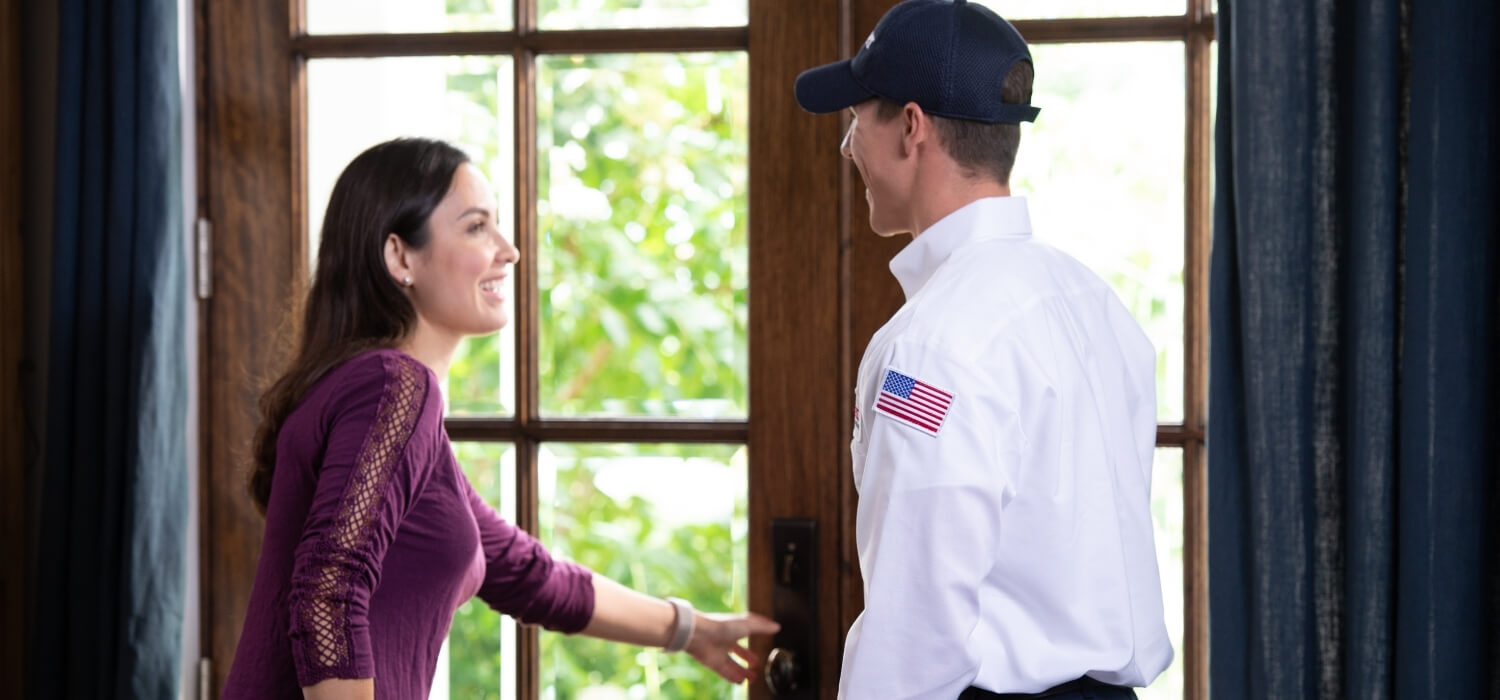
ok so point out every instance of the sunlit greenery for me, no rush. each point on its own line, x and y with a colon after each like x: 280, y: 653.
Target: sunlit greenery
x: 590, y: 14
x: 642, y: 262
x: 663, y: 519
x: 642, y: 255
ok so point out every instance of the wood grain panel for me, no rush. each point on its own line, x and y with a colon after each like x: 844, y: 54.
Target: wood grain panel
x: 247, y: 143
x: 528, y: 319
x: 1199, y: 219
x: 795, y: 439
x: 1171, y: 435
x: 12, y: 322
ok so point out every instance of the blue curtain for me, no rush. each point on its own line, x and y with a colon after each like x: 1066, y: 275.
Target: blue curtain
x: 1354, y: 301
x: 111, y: 545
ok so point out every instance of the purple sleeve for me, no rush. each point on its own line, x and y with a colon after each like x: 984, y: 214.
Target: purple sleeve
x: 521, y: 579
x: 364, y: 487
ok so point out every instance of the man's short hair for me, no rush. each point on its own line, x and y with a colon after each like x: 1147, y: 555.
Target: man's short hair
x: 987, y: 150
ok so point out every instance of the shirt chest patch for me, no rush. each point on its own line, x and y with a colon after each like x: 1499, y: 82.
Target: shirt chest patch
x: 913, y: 402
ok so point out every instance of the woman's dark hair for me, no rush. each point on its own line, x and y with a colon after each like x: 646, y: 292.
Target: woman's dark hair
x: 354, y: 304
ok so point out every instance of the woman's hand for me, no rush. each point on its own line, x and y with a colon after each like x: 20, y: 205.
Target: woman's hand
x: 624, y: 615
x: 716, y: 642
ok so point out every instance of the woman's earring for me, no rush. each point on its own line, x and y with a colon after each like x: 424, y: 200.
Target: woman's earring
x: 406, y: 280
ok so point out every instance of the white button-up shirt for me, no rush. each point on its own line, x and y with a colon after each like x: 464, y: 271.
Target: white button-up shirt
x: 1005, y: 421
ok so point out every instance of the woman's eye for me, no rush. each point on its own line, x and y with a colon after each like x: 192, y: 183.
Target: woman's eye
x: 476, y: 227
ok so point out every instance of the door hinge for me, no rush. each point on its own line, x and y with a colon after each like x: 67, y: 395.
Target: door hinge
x: 205, y: 679
x: 203, y: 237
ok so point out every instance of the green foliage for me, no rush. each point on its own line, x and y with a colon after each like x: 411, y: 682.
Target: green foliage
x: 642, y: 259
x: 636, y: 534
x: 474, y: 642
x: 474, y: 653
x: 642, y: 252
x: 633, y: 536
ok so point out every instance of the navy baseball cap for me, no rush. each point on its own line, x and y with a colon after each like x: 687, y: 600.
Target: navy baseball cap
x: 948, y: 56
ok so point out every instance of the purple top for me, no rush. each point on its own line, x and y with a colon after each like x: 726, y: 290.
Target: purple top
x: 374, y: 538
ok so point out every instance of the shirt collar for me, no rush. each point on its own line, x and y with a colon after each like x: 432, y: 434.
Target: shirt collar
x: 979, y: 220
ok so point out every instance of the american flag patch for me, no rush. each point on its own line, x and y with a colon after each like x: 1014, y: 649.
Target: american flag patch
x: 917, y: 404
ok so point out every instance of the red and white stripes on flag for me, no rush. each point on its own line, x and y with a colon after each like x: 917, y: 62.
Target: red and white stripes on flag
x: 913, y: 402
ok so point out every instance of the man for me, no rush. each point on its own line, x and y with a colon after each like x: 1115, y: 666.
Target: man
x: 1005, y: 416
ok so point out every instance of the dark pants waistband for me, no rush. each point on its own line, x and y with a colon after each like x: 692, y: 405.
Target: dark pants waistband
x: 1084, y: 687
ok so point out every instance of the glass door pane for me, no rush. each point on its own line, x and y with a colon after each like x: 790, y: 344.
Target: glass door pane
x: 1102, y: 170
x: 382, y: 16
x: 481, y: 651
x: 642, y: 260
x: 1167, y: 518
x: 1062, y: 9
x: 640, y: 14
x: 353, y: 104
x: 662, y: 519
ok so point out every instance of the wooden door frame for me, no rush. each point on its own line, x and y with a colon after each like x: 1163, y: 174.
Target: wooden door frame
x: 13, y: 550
x: 798, y: 282
x: 244, y: 163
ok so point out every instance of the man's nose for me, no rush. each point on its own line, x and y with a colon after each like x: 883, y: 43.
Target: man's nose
x: 844, y: 147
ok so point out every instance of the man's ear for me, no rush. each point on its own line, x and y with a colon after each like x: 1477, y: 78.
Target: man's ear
x: 397, y: 260
x: 916, y: 127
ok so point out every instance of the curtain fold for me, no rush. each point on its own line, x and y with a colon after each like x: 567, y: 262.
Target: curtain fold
x: 1353, y: 374
x: 113, y: 513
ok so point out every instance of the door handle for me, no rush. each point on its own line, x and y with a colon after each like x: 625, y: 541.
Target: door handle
x: 791, y: 671
x: 783, y: 675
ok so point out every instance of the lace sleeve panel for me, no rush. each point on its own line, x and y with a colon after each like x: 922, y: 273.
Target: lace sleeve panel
x: 521, y: 579
x: 362, y: 494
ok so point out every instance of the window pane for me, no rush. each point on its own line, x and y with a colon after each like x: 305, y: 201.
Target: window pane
x: 1167, y: 517
x: 481, y: 645
x: 353, y: 104
x: 380, y: 16
x: 1058, y: 9
x: 1102, y: 168
x: 662, y: 519
x: 642, y: 259
x: 639, y: 14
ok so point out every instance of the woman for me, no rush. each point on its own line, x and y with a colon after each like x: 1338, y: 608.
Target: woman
x: 373, y: 536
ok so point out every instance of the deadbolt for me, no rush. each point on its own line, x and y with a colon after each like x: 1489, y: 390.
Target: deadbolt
x: 791, y: 669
